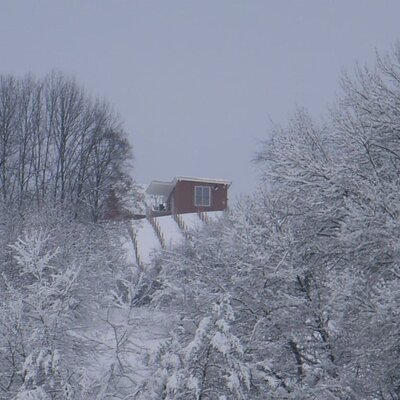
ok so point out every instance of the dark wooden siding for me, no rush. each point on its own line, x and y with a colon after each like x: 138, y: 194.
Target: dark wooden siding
x: 183, y: 197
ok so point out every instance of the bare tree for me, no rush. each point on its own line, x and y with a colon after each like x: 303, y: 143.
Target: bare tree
x: 59, y: 147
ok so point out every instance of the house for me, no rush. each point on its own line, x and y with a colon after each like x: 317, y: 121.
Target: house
x: 188, y: 195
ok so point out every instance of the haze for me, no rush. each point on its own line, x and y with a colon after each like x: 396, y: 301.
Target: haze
x: 197, y: 84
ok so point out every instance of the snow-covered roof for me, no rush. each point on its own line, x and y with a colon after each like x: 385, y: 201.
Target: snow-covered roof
x: 162, y: 188
x: 159, y: 188
x: 202, y: 180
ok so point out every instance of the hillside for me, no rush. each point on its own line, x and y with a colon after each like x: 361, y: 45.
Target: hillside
x: 146, y: 241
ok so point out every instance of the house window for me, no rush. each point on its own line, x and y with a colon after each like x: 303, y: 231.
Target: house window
x: 202, y: 196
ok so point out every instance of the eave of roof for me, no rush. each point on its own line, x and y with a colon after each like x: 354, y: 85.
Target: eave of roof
x: 203, y: 180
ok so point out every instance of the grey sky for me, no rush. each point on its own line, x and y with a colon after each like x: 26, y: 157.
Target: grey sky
x: 197, y: 82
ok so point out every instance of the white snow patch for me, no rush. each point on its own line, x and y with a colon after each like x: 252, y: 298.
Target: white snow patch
x: 170, y: 230
x: 196, y: 343
x: 191, y: 221
x: 215, y: 215
x: 140, y: 332
x: 173, y: 382
x: 146, y: 239
x: 127, y: 245
x: 233, y: 381
x: 34, y: 394
x: 220, y: 343
x: 193, y: 383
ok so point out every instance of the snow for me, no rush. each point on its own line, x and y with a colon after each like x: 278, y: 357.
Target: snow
x: 215, y: 215
x: 196, y: 343
x: 129, y: 336
x: 220, y: 343
x: 129, y: 249
x: 173, y: 382
x: 202, y: 180
x: 170, y: 230
x: 193, y: 383
x: 233, y: 381
x: 34, y: 394
x: 192, y: 221
x: 148, y: 242
x: 146, y: 239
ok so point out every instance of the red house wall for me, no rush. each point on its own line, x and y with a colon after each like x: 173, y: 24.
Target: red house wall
x: 182, y: 197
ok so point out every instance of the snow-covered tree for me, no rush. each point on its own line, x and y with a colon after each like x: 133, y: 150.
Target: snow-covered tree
x: 202, y: 363
x: 35, y: 319
x: 310, y: 262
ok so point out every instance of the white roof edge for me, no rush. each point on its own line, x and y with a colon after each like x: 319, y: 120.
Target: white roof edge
x: 204, y: 180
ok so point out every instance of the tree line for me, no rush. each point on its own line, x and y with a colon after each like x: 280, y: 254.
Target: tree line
x: 63, y: 156
x: 59, y: 147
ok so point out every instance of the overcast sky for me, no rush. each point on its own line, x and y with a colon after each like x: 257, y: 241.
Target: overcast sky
x: 197, y: 83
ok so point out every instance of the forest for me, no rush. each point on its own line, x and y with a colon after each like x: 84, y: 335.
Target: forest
x: 293, y: 294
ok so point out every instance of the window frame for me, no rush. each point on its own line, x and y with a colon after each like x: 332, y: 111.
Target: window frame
x: 203, y: 189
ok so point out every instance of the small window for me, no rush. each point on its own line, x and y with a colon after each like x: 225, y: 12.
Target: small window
x: 202, y: 196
